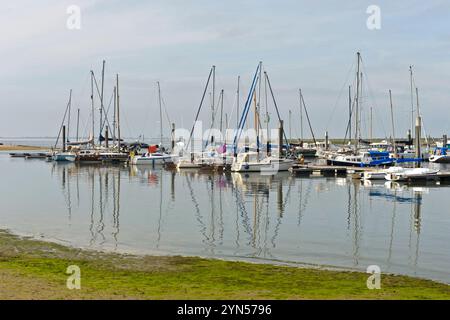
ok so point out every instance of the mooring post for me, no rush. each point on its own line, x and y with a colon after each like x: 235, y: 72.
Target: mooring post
x: 173, y: 136
x: 417, y: 137
x: 280, y: 139
x: 326, y: 140
x: 106, y: 136
x: 409, y: 137
x: 64, y: 138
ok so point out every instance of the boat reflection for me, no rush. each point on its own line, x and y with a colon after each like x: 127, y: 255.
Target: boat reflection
x: 272, y: 217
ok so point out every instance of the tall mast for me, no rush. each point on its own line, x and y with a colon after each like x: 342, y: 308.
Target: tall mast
x: 350, y: 112
x: 78, y: 121
x: 290, y: 131
x: 267, y: 116
x: 101, y: 98
x: 92, y: 106
x: 258, y: 107
x: 68, y: 119
x: 221, y: 110
x: 393, y: 128
x: 412, y: 97
x: 357, y: 102
x: 114, y: 115
x: 237, y: 102
x: 118, y: 109
x: 301, y: 116
x: 213, y: 95
x: 160, y: 116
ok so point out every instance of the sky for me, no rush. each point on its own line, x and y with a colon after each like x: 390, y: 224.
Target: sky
x: 310, y: 45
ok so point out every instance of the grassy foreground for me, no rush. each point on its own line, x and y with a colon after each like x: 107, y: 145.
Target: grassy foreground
x: 31, y: 269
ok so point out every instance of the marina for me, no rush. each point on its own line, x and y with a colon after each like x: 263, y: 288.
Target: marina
x: 321, y: 219
x: 233, y: 151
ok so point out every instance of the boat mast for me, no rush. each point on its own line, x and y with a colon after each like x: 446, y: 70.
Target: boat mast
x: 393, y: 128
x: 160, y: 116
x: 290, y: 131
x: 78, y: 121
x: 412, y: 97
x: 221, y: 109
x: 258, y: 107
x: 68, y: 118
x: 350, y: 113
x: 301, y: 117
x: 114, y: 116
x: 357, y: 102
x: 267, y: 117
x: 92, y: 106
x: 213, y: 100
x: 118, y: 110
x: 101, y: 100
x: 237, y: 101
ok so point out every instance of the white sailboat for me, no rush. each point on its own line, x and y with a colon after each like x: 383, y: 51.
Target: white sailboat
x: 154, y: 157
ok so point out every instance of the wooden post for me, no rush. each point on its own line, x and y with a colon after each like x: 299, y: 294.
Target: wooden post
x: 106, y: 136
x: 64, y: 138
x: 280, y: 139
x: 326, y: 140
x: 444, y: 141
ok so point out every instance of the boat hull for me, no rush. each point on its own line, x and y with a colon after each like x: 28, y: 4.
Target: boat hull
x: 440, y: 159
x: 64, y: 157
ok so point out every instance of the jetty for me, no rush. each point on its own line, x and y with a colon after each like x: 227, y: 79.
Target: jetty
x: 327, y: 170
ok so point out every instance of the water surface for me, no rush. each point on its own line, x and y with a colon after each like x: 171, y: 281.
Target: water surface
x: 327, y: 221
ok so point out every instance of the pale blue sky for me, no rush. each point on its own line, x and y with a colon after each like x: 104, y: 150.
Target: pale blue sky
x: 307, y: 44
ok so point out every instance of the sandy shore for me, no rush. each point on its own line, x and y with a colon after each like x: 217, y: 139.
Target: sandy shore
x: 7, y: 147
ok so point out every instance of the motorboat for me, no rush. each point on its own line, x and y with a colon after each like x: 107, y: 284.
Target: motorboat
x: 413, y: 173
x: 156, y: 158
x: 440, y: 155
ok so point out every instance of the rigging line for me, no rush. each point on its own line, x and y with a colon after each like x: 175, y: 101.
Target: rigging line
x: 340, y: 95
x: 64, y: 118
x: 212, y: 123
x: 165, y: 111
x: 372, y: 96
x: 199, y: 107
x: 102, y: 106
x: 307, y: 117
x: 107, y: 111
x: 275, y: 104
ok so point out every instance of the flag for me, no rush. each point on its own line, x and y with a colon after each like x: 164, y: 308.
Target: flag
x: 222, y: 149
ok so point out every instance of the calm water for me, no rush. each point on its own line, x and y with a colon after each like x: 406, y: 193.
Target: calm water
x: 327, y: 221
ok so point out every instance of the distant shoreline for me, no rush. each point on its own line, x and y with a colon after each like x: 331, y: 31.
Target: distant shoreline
x: 9, y: 147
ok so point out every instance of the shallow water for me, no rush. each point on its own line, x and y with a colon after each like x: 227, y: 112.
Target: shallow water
x: 327, y: 221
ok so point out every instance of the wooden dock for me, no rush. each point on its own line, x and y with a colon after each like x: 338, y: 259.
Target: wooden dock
x: 327, y: 171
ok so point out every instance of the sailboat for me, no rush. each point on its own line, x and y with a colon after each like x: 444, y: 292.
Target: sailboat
x: 153, y: 156
x: 251, y: 161
x: 64, y: 155
x: 99, y: 153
